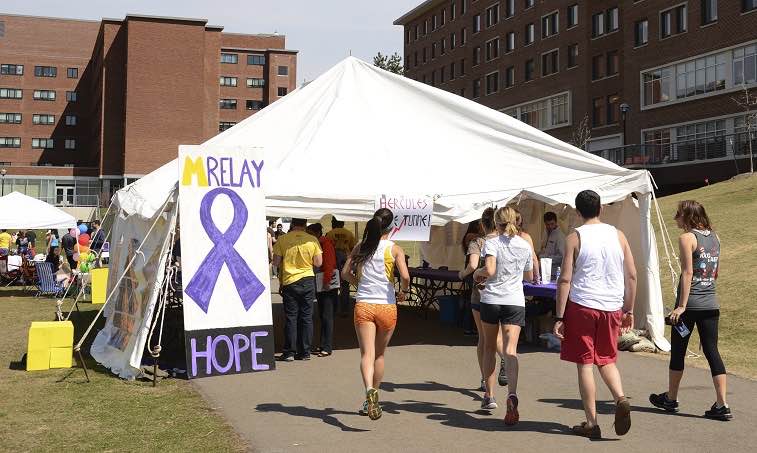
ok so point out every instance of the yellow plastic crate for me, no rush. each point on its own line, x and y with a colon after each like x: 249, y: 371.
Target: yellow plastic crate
x: 50, y: 345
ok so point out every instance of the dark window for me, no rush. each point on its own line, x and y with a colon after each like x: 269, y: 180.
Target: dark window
x: 598, y: 112
x: 453, y: 11
x: 476, y: 55
x: 442, y: 74
x: 492, y: 15
x: 283, y: 70
x: 433, y: 50
x: 597, y: 67
x: 70, y: 96
x: 463, y: 6
x: 72, y: 73
x: 492, y: 49
x: 476, y: 23
x: 463, y: 36
x: 528, y: 3
x: 529, y: 70
x: 613, y: 108
x: 476, y: 88
x: 462, y: 92
x: 509, y: 76
x: 229, y: 58
x: 258, y: 60
x: 452, y: 40
x: 550, y: 25
x: 613, y: 19
x: 572, y: 15
x: 530, y: 34
x: 748, y: 5
x: 641, y: 32
x: 444, y: 45
x: 597, y: 25
x: 709, y: 11
x: 282, y: 91
x: 70, y: 143
x: 228, y: 104
x: 681, y: 19
x: 549, y: 63
x: 666, y: 19
x: 673, y: 21
x: 425, y: 55
x: 11, y: 69
x: 254, y: 105
x: 415, y: 59
x: 613, y: 61
x: 510, y: 42
x: 462, y: 67
x: 71, y: 120
x: 45, y: 71
x: 223, y: 125
x: 452, y: 71
x: 492, y: 83
x: 572, y: 55
x: 509, y: 8
x: 255, y: 83
x: 433, y: 23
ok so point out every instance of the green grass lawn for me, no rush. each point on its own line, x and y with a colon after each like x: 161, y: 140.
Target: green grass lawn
x: 57, y: 410
x: 732, y: 207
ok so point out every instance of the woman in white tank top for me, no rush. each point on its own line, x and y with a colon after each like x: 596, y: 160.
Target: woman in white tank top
x: 371, y: 267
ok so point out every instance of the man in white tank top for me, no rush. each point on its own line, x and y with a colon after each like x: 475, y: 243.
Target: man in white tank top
x: 595, y: 299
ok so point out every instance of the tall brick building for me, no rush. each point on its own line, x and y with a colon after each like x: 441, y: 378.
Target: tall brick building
x: 87, y: 106
x: 653, y: 79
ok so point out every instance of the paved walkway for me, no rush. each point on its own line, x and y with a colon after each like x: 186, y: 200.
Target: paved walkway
x: 430, y: 403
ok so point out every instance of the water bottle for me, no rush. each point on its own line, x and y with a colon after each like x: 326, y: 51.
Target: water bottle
x: 557, y: 274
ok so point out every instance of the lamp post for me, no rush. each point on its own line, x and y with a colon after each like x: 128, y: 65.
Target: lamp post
x: 3, y: 172
x: 624, y: 109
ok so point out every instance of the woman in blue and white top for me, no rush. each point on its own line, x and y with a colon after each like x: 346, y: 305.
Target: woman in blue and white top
x: 508, y: 263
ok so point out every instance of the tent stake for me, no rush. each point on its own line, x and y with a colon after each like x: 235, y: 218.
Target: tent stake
x: 155, y: 372
x: 83, y: 365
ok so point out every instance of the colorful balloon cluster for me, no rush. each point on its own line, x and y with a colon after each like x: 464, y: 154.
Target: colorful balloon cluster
x: 84, y: 256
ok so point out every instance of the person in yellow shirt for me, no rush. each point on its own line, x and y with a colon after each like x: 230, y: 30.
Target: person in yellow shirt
x: 344, y: 241
x: 5, y: 243
x: 296, y: 253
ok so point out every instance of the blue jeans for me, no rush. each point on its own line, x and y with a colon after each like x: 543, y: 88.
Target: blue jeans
x: 298, y: 300
x: 327, y: 301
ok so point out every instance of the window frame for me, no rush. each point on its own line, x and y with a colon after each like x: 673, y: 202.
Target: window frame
x: 279, y: 91
x: 571, y: 57
x: 528, y: 73
x: 495, y: 88
x: 251, y: 58
x: 571, y: 14
x: 44, y: 95
x: 636, y: 36
x: 233, y: 81
x: 530, y: 34
x: 229, y: 58
x: 72, y: 73
x: 46, y: 71
x: 7, y: 67
x: 227, y: 104
x: 546, y: 26
x: 554, y: 63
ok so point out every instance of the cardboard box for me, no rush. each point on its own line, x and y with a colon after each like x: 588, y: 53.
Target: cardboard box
x: 99, y: 284
x: 50, y: 345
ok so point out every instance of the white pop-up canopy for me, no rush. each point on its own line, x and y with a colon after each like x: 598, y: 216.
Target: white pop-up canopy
x: 356, y: 132
x: 21, y: 211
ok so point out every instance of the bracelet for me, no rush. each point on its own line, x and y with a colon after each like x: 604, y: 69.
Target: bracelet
x: 558, y: 318
x: 628, y: 312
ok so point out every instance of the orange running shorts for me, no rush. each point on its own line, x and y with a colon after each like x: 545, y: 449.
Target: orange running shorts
x: 383, y: 315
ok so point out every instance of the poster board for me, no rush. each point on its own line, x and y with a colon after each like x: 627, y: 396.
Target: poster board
x: 412, y: 216
x: 224, y: 258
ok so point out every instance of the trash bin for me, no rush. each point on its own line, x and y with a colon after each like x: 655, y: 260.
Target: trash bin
x: 449, y: 309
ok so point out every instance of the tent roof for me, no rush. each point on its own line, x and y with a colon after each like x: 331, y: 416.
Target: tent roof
x: 358, y: 131
x: 20, y: 211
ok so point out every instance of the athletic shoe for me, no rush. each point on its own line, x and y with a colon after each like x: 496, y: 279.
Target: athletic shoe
x: 285, y: 358
x: 512, y: 416
x: 374, y: 409
x: 585, y: 430
x: 363, y: 409
x: 483, y: 385
x: 488, y: 403
x: 661, y: 401
x: 302, y: 357
x: 622, y: 416
x: 502, y: 378
x: 719, y: 413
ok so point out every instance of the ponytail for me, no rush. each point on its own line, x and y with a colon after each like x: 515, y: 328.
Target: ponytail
x: 506, y: 220
x: 380, y: 224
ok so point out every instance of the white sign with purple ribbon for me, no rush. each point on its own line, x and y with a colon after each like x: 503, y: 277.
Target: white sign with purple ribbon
x: 224, y: 261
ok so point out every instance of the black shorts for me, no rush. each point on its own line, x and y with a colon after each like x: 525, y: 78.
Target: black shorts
x: 503, y: 314
x: 476, y: 307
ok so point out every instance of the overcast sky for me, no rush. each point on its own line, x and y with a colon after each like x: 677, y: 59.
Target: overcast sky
x: 324, y: 31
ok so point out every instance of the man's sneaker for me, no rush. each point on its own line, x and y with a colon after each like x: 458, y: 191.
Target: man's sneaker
x: 302, y: 357
x: 512, y: 416
x: 502, y: 378
x: 661, y: 401
x: 363, y: 409
x: 285, y: 358
x: 488, y: 403
x: 622, y: 416
x: 374, y: 409
x: 719, y: 413
x: 592, y: 432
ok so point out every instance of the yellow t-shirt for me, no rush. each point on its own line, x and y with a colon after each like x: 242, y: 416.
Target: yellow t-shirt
x: 5, y: 241
x: 343, y: 239
x: 297, y: 249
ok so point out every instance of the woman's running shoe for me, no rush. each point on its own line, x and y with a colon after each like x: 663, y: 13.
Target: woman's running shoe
x: 512, y: 415
x: 374, y: 409
x: 502, y: 378
x: 488, y: 403
x: 662, y: 401
x: 719, y: 413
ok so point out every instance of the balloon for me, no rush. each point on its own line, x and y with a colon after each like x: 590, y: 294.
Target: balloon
x: 83, y: 249
x: 76, y: 257
x: 83, y: 257
x: 73, y: 232
x: 84, y: 268
x: 84, y: 239
x: 83, y: 228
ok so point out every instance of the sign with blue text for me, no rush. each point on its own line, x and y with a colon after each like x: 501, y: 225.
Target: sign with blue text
x: 228, y: 325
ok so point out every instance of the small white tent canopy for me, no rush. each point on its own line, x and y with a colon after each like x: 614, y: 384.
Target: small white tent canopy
x: 21, y: 211
x: 357, y: 132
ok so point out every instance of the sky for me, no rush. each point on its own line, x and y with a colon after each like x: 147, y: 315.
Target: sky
x: 324, y: 31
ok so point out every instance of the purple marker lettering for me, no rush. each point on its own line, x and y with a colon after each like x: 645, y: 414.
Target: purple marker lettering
x: 212, y: 170
x: 258, y: 169
x: 239, y: 349
x: 208, y: 354
x: 246, y: 171
x: 225, y: 339
x: 225, y: 169
x: 256, y: 350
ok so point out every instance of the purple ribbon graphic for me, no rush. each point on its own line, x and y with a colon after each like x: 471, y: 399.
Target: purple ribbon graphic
x: 200, y: 288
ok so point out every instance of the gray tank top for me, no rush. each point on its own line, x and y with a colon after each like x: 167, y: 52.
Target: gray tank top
x: 705, y: 262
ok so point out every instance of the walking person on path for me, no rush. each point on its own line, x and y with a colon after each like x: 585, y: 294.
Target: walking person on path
x: 344, y: 241
x: 696, y: 305
x: 595, y: 298
x: 507, y: 264
x: 327, y: 296
x: 371, y: 267
x: 296, y: 253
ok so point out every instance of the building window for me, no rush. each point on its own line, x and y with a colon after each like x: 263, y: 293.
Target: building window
x: 72, y: 73
x: 70, y: 143
x: 434, y: 24
x: 492, y: 83
x: 452, y: 40
x: 492, y: 15
x: 425, y: 56
x: 509, y: 76
x: 10, y: 93
x: 442, y: 74
x: 425, y: 27
x: 229, y: 58
x: 452, y: 71
x: 476, y: 23
x: 71, y: 120
x: 463, y: 6
x: 546, y: 113
x: 10, y: 142
x: 613, y: 19
x: 444, y: 17
x: 259, y: 60
x: 227, y: 104
x: 11, y: 69
x: 45, y: 71
x: 530, y: 34
x: 700, y: 76
x: 42, y: 143
x: 415, y: 59
x: 453, y: 10
x: 529, y: 70
x: 43, y: 119
x: 70, y: 96
x: 509, y: 8
x: 748, y: 5
x: 476, y: 88
x: 283, y: 70
x: 462, y: 67
x: 510, y: 42
x: 550, y: 25
x: 673, y: 21
x: 476, y: 55
x: 613, y: 108
x: 433, y: 50
x: 528, y: 4
x: 572, y: 55
x: 44, y: 95
x: 572, y: 15
x: 492, y: 49
x: 255, y: 83
x: 709, y: 11
x: 223, y: 125
x: 658, y: 86
x: 641, y: 32
x: 613, y: 62
x: 228, y: 81
x: 550, y: 63
x: 10, y: 118
x: 745, y: 65
x: 597, y: 25
x: 598, y: 112
x: 251, y: 104
x: 282, y: 91
x: 463, y: 36
x: 597, y: 67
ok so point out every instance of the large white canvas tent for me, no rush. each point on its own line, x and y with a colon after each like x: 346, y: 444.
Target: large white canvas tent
x: 357, y: 132
x: 21, y: 211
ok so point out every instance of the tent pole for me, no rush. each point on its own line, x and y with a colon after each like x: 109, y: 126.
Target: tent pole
x: 83, y: 365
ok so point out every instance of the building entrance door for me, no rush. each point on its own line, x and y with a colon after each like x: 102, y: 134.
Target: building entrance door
x: 64, y: 195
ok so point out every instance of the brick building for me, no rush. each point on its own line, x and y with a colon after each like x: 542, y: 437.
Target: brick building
x: 87, y: 106
x: 652, y: 79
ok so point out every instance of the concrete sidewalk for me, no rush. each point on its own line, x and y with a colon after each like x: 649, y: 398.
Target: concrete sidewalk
x: 430, y: 402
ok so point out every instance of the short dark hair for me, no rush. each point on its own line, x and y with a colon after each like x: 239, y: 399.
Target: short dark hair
x: 336, y: 223
x: 550, y: 216
x: 299, y: 222
x: 316, y: 229
x: 96, y: 222
x: 588, y: 204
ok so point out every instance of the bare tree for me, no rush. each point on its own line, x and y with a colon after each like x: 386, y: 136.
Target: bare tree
x: 581, y: 133
x: 748, y: 101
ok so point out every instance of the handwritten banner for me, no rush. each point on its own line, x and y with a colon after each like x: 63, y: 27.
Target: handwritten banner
x: 224, y: 260
x: 412, y: 216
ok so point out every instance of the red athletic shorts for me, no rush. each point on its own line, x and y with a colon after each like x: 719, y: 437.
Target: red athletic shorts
x: 591, y: 336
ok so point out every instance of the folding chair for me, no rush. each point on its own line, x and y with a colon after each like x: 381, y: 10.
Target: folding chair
x: 46, y: 284
x: 9, y: 273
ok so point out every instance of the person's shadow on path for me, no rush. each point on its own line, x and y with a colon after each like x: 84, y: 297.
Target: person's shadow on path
x: 328, y: 415
x: 429, y: 386
x: 608, y: 407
